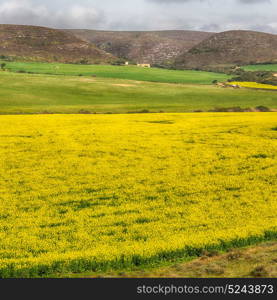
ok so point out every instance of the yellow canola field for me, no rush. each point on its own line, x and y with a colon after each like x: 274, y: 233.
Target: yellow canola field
x: 254, y: 85
x: 92, y: 192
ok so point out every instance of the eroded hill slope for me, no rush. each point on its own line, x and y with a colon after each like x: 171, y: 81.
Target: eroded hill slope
x: 154, y: 47
x: 35, y: 43
x: 236, y: 47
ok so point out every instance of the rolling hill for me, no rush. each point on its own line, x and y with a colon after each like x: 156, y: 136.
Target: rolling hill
x: 181, y: 49
x: 33, y: 43
x: 238, y: 47
x: 117, y: 72
x: 43, y: 93
x: 154, y: 47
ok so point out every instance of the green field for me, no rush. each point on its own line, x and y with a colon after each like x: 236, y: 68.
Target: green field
x: 267, y: 67
x: 32, y: 93
x: 120, y: 72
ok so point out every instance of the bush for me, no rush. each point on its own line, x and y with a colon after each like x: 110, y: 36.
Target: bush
x: 262, y: 108
x: 259, y: 272
x: 228, y: 109
x: 46, y: 112
x: 118, y: 62
x: 84, y: 112
x: 84, y: 61
x: 6, y: 58
x: 259, y: 77
x: 144, y: 111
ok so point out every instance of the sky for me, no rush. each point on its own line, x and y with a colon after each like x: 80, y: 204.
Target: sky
x: 204, y: 15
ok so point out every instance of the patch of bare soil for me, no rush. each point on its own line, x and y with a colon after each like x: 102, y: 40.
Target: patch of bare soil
x: 252, y: 262
x: 123, y: 85
x: 87, y: 80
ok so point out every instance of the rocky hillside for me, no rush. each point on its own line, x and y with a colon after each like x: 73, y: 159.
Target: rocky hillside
x: 154, y: 47
x: 34, y: 43
x: 230, y: 48
x: 180, y: 49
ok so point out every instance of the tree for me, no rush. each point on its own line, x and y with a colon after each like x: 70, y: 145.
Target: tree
x: 3, y: 65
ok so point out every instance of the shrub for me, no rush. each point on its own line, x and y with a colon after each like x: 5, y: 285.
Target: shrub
x: 3, y: 65
x: 83, y: 61
x: 259, y: 272
x: 118, y: 62
x: 264, y: 77
x: 84, y: 112
x: 262, y: 108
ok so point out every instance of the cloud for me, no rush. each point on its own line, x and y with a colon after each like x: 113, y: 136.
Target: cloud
x: 27, y: 12
x: 78, y: 16
x: 209, y: 1
x: 170, y: 1
x: 21, y: 11
x: 173, y: 1
x: 205, y: 15
x: 254, y: 1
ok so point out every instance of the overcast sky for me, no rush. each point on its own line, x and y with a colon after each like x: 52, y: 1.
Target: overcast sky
x: 209, y: 15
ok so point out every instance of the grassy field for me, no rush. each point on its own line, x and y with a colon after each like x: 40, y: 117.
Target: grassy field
x: 267, y: 67
x: 105, y: 192
x: 27, y: 93
x: 257, y: 261
x: 119, y: 72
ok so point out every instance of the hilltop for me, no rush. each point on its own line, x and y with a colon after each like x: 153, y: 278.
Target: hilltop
x: 33, y: 43
x: 154, y: 47
x: 237, y: 47
x: 178, y: 48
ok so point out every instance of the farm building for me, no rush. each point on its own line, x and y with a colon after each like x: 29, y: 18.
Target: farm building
x: 144, y: 65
